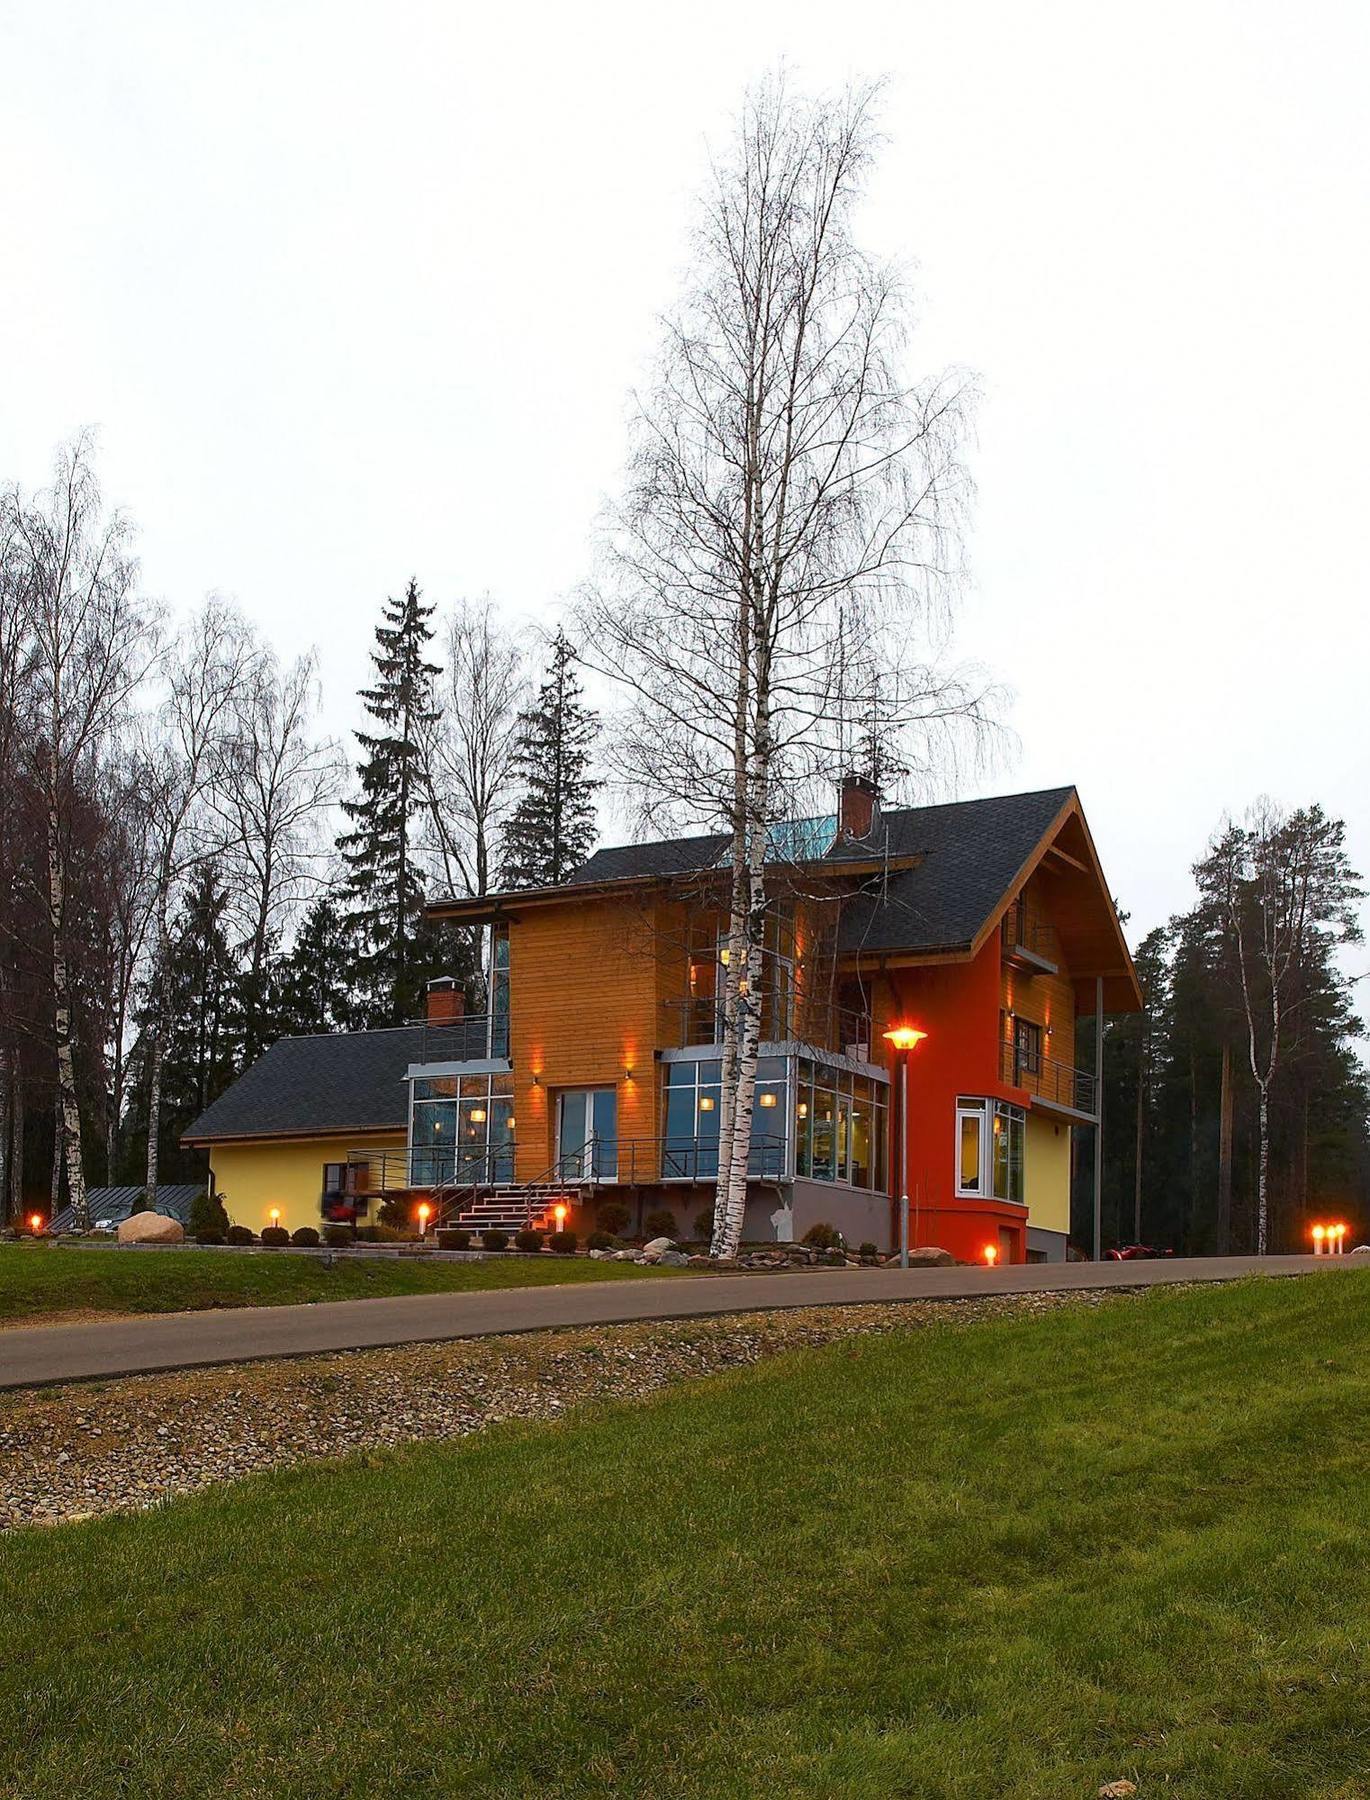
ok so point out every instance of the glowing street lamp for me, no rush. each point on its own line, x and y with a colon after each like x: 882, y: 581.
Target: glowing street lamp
x: 905, y: 1039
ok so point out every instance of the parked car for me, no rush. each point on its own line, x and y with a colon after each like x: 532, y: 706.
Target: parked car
x: 1134, y: 1253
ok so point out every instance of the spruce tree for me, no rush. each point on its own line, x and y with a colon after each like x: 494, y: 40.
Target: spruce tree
x: 384, y: 891
x: 552, y: 828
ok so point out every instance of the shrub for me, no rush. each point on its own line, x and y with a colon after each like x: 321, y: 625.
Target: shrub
x: 338, y: 1237
x: 394, y: 1213
x: 704, y: 1225
x: 207, y: 1213
x: 600, y: 1240
x: 612, y: 1216
x: 274, y: 1237
x: 381, y: 1234
x: 305, y: 1236
x: 452, y: 1237
x: 660, y: 1222
x: 240, y: 1234
x: 822, y: 1236
x: 494, y: 1240
x: 563, y: 1242
x: 527, y: 1240
x: 201, y: 1237
x: 869, y: 1250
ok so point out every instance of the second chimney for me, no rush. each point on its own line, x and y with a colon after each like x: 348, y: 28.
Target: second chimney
x: 857, y: 808
x: 446, y: 1001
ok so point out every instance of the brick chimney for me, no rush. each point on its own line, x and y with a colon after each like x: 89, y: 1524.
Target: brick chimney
x: 858, y: 807
x: 446, y: 1001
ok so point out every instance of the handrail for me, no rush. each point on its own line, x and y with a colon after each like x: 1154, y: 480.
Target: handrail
x: 1047, y: 1078
x: 826, y: 1027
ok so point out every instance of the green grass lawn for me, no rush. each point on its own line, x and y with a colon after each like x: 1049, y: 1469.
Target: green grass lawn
x: 40, y: 1279
x: 1019, y: 1559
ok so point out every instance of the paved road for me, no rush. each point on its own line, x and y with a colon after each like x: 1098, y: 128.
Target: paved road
x: 35, y: 1355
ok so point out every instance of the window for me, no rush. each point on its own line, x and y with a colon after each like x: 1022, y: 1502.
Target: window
x: 499, y: 991
x: 989, y: 1149
x: 693, y: 1102
x: 839, y: 1125
x: 1027, y: 1048
x: 461, y: 1129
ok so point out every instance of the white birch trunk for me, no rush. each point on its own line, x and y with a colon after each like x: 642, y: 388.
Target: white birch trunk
x: 66, y: 1061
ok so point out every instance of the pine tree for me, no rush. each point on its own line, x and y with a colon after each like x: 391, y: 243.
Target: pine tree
x: 309, y: 987
x: 384, y: 891
x: 552, y: 828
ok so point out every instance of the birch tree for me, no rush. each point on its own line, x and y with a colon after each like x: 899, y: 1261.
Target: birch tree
x: 92, y: 641
x: 213, y: 660
x: 278, y: 780
x: 791, y: 496
x: 1283, y: 891
x: 472, y: 750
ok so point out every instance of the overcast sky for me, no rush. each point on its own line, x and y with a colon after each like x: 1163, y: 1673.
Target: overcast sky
x: 352, y: 291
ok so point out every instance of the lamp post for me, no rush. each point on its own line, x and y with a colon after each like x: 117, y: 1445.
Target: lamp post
x: 905, y: 1039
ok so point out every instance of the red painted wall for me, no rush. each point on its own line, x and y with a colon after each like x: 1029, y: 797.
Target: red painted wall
x: 957, y: 1004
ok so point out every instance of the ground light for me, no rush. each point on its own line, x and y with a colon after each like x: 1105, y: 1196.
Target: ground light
x: 275, y: 1216
x: 559, y: 1214
x: 991, y: 1255
x: 425, y: 1211
x: 35, y: 1223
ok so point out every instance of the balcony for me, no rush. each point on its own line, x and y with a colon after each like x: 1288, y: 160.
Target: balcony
x: 1029, y: 943
x: 1051, y: 1083
x: 696, y: 1024
x: 478, y: 1037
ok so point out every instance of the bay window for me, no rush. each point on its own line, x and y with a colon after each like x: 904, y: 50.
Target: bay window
x: 989, y: 1149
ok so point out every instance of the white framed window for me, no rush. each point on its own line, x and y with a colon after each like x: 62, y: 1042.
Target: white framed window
x: 990, y: 1138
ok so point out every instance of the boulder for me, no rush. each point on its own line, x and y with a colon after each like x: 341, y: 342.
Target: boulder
x: 657, y: 1245
x: 673, y: 1259
x: 928, y: 1256
x: 151, y: 1228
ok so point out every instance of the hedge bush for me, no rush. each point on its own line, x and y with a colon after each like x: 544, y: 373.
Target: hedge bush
x: 240, y: 1234
x: 338, y: 1236
x: 274, y: 1237
x: 612, y: 1216
x: 869, y: 1250
x: 305, y: 1236
x: 210, y: 1237
x: 563, y: 1242
x: 207, y: 1214
x: 528, y: 1240
x: 600, y: 1240
x: 704, y: 1225
x: 494, y: 1240
x: 659, y: 1223
x: 452, y: 1237
x: 822, y: 1236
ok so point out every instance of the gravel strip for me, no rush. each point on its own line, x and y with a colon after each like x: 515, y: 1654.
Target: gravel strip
x: 74, y: 1453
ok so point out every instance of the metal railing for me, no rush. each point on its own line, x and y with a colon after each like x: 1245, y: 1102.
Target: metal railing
x: 1023, y: 930
x: 472, y: 1038
x: 1047, y: 1078
x: 696, y: 1023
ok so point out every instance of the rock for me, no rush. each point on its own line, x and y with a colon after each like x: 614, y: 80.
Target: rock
x: 928, y: 1256
x: 601, y: 1255
x: 624, y: 1255
x: 673, y: 1259
x: 151, y: 1228
x: 656, y: 1247
x: 700, y: 1261
x: 1361, y: 1250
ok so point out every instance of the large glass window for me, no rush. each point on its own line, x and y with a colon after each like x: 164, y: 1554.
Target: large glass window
x: 462, y: 1129
x: 692, y: 1105
x: 839, y: 1125
x: 499, y: 990
x: 989, y: 1148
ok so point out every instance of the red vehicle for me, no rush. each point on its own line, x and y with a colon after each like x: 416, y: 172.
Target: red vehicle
x: 1134, y: 1253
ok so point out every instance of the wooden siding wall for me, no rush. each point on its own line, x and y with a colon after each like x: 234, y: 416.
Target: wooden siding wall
x: 584, y: 1011
x: 1045, y: 1000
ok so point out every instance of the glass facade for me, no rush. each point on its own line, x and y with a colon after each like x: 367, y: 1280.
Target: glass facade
x: 499, y: 991
x: 839, y: 1126
x: 693, y: 1097
x: 462, y: 1129
x: 838, y: 1121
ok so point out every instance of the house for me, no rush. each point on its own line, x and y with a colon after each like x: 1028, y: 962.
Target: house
x: 594, y: 1072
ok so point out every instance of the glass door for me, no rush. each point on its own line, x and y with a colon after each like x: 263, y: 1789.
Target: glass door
x: 587, y: 1136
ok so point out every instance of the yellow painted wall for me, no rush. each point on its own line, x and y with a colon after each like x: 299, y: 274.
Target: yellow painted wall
x: 1046, y: 1173
x: 254, y: 1177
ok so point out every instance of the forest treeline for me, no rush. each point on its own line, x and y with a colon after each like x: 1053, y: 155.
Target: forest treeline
x: 188, y: 870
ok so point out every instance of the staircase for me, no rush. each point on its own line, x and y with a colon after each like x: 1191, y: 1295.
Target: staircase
x: 530, y: 1206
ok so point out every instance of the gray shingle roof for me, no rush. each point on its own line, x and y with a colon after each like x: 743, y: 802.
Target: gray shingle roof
x: 969, y: 851
x: 349, y: 1081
